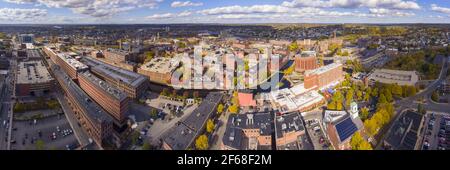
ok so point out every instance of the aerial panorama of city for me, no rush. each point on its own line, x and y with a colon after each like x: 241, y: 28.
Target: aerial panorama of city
x: 224, y: 75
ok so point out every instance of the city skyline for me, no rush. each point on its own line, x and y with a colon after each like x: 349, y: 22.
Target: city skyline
x: 233, y: 11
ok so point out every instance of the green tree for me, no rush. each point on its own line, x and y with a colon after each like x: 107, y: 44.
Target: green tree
x: 210, y: 126
x: 397, y: 90
x: 364, y: 113
x: 135, y: 137
x: 40, y: 145
x: 293, y: 47
x: 349, y: 97
x: 146, y: 146
x: 382, y: 99
x: 421, y: 109
x: 201, y: 143
x: 234, y: 109
x: 359, y: 143
x: 220, y: 108
x: 367, y: 97
x: 435, y: 96
x: 359, y: 95
x: 331, y: 106
x: 412, y: 91
x: 165, y: 92
x: 388, y: 95
x: 375, y: 92
x: 148, y: 56
x: 153, y: 113
x: 371, y: 127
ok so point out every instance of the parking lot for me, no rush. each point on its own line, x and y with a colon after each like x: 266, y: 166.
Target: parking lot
x: 54, y: 132
x: 437, y: 133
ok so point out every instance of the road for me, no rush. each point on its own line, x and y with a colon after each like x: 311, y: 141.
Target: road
x: 410, y: 102
x: 7, y: 103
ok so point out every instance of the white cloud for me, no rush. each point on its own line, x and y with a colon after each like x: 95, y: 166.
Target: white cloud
x: 245, y: 9
x: 390, y: 4
x: 16, y: 14
x: 20, y: 1
x: 177, y: 4
x: 437, y: 8
x: 95, y: 8
x: 169, y: 15
x: 383, y: 12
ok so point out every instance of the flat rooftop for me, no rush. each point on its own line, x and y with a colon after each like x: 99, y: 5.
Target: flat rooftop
x: 288, y: 123
x: 33, y: 72
x: 117, y: 51
x: 324, y: 69
x: 394, y: 76
x: 261, y: 121
x: 105, y: 86
x: 93, y: 111
x: 180, y: 137
x: 33, y: 54
x: 116, y: 73
x: 161, y: 65
x: 75, y: 64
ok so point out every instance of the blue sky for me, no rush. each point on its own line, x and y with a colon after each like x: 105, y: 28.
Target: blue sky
x: 224, y: 11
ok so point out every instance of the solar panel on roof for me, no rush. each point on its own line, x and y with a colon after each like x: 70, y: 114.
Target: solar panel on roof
x: 346, y: 128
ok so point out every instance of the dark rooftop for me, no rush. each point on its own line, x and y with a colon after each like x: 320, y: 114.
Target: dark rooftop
x: 234, y: 136
x: 288, y: 123
x: 403, y: 135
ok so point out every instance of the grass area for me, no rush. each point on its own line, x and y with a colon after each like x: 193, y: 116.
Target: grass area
x: 40, y: 104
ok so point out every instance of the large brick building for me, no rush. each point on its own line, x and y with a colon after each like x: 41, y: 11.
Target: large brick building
x: 116, y: 55
x: 305, y: 61
x: 324, y: 77
x: 111, y: 99
x: 94, y: 120
x: 33, y: 79
x: 133, y: 84
x: 70, y: 65
x: 159, y: 70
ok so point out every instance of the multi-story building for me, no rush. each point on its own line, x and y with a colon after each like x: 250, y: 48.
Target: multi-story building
x: 324, y: 77
x: 133, y: 84
x: 248, y: 132
x: 26, y: 38
x: 111, y: 99
x: 289, y: 130
x: 406, y: 132
x: 116, y: 55
x: 96, y: 122
x: 33, y: 79
x: 159, y: 70
x: 340, y: 126
x: 70, y: 65
x: 305, y: 61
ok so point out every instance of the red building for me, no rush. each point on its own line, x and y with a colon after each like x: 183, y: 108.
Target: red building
x: 304, y: 63
x: 324, y: 76
x: 114, y: 101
